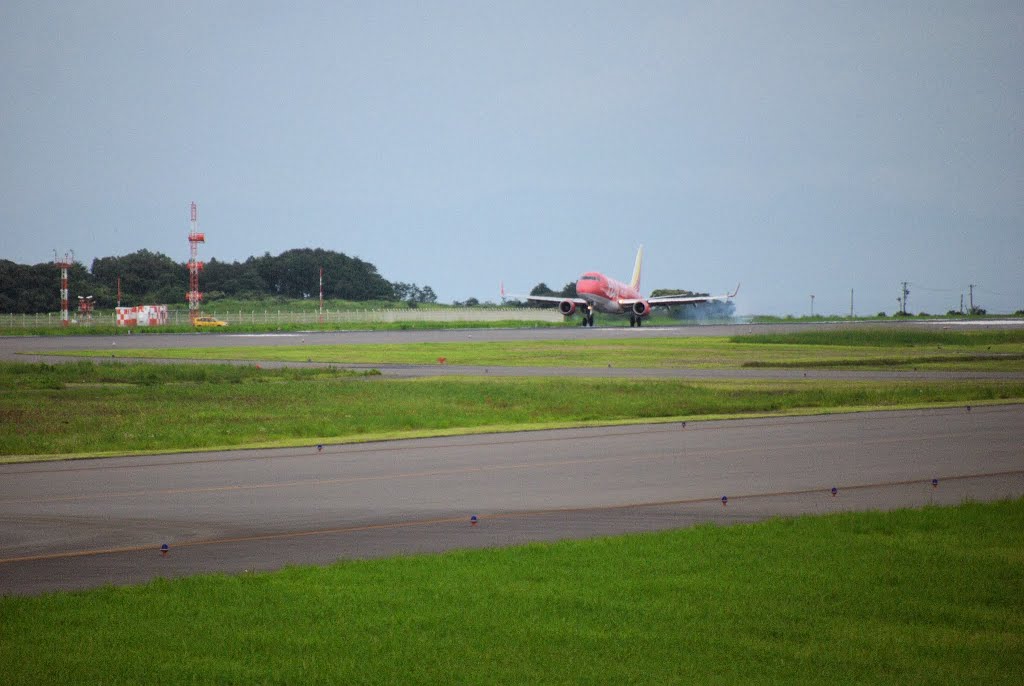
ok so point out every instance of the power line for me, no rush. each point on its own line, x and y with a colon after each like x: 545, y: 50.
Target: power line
x: 933, y: 290
x: 988, y: 292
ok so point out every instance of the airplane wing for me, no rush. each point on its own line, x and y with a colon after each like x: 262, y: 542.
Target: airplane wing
x: 547, y: 299
x: 540, y: 298
x: 682, y: 300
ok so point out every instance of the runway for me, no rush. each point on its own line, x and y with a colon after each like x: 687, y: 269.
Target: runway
x: 81, y: 524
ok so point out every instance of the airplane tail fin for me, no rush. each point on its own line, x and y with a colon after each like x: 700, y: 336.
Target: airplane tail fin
x: 635, y: 281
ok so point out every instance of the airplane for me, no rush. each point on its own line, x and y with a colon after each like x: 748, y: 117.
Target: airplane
x: 595, y: 291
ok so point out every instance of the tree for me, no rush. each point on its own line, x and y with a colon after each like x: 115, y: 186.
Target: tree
x: 403, y: 291
x: 542, y: 289
x: 150, y: 278
x: 427, y: 295
x: 146, y: 278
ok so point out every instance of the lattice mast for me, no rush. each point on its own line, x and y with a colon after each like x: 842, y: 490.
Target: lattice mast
x: 64, y: 263
x: 194, y: 297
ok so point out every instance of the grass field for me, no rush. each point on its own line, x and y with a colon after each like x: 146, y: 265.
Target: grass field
x: 913, y: 596
x: 861, y: 349
x: 888, y: 337
x: 111, y: 330
x: 87, y: 408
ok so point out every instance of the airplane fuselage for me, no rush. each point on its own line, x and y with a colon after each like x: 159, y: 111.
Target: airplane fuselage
x: 604, y: 293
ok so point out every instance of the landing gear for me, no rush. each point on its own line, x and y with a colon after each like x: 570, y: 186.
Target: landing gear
x: 632, y: 320
x: 588, y: 319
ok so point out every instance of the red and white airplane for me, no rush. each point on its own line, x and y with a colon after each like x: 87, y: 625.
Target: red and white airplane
x: 595, y: 291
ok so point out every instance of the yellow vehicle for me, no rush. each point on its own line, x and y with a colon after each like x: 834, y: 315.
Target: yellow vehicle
x: 208, y: 321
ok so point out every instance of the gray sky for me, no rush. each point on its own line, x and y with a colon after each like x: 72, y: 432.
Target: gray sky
x: 797, y: 147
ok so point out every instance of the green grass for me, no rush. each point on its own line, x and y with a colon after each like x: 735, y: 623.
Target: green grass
x: 895, y: 317
x: 913, y: 596
x: 88, y: 409
x: 989, y: 351
x: 885, y: 337
x: 111, y: 330
x: 16, y: 376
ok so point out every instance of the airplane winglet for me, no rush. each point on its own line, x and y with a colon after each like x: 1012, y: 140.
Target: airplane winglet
x: 733, y: 294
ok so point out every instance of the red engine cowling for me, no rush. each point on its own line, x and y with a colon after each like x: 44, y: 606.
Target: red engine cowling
x: 641, y: 309
x: 567, y: 307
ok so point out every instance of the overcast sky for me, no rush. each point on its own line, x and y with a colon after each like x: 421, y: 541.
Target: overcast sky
x: 797, y: 147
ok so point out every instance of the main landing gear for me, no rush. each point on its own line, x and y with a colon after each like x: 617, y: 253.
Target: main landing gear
x: 588, y: 318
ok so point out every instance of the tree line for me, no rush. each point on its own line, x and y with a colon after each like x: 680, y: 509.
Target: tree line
x: 154, y: 278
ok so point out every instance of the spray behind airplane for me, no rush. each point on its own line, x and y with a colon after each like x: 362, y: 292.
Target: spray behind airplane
x: 597, y: 292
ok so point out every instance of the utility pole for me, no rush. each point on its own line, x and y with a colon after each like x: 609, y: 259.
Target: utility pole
x: 971, y: 288
x: 812, y: 304
x: 961, y: 303
x: 903, y: 300
x: 851, y: 303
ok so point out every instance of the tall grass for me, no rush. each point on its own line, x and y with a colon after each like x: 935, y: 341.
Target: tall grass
x: 925, y: 596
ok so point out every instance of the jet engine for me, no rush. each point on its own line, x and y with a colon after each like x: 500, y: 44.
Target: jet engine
x: 641, y: 308
x: 567, y: 307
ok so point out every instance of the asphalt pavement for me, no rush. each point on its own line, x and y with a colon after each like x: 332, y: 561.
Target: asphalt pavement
x: 80, y: 524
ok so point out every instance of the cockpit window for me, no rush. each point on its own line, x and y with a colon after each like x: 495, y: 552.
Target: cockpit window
x: 587, y: 277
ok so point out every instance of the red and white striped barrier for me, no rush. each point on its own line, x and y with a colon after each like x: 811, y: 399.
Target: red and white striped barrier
x: 142, y: 315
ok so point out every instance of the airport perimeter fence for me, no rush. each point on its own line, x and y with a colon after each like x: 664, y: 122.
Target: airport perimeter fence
x: 180, y: 317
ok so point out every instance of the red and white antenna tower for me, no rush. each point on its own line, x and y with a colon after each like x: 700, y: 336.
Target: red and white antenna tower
x: 64, y: 263
x: 194, y: 297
